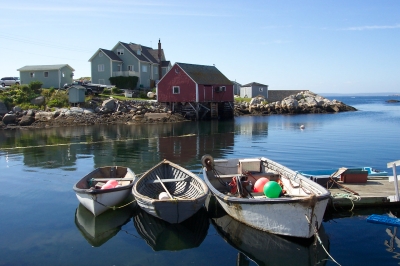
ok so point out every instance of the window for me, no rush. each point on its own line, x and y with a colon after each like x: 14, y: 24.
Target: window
x: 100, y: 68
x: 120, y: 51
x: 144, y: 68
x: 101, y: 54
x: 63, y: 74
x: 130, y: 68
x: 46, y: 74
x: 175, y: 90
x: 156, y: 70
x: 32, y: 74
x: 119, y: 67
x: 260, y: 89
x: 139, y: 52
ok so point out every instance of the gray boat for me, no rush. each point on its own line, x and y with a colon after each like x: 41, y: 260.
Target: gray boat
x: 170, y: 192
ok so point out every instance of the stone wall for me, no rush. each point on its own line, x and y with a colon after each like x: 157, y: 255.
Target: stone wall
x: 279, y: 95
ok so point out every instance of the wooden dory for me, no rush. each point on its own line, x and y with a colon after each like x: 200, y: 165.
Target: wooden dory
x: 186, y: 192
x: 96, y: 200
x: 285, y: 215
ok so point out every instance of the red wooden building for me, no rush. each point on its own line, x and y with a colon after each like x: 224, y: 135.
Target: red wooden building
x: 197, y: 91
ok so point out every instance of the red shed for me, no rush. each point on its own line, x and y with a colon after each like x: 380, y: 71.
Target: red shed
x: 197, y: 90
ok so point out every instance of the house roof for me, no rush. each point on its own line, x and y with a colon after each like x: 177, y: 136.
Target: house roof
x: 44, y: 67
x: 111, y: 55
x: 165, y: 63
x: 204, y: 74
x: 254, y: 84
x: 132, y: 48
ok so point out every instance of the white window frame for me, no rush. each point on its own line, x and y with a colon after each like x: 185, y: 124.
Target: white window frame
x: 156, y: 70
x: 46, y: 74
x: 119, y: 67
x: 144, y: 68
x: 100, y: 68
x: 32, y: 74
x: 120, y: 51
x: 130, y: 68
x: 176, y: 90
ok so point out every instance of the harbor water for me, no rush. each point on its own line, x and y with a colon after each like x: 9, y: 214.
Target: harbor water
x: 42, y: 222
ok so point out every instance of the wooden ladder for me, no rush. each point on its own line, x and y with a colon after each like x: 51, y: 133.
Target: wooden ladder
x: 214, y: 110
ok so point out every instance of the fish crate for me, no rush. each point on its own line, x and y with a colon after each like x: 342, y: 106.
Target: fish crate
x: 354, y: 176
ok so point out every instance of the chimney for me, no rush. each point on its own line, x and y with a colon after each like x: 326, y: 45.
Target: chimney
x: 159, y: 60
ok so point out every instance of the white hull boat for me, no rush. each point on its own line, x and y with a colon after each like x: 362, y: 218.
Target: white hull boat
x: 297, y: 212
x: 97, y: 200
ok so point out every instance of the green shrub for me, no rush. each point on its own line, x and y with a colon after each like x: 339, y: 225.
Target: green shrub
x: 36, y: 86
x: 143, y: 95
x: 115, y: 90
x: 106, y: 91
x: 124, y: 82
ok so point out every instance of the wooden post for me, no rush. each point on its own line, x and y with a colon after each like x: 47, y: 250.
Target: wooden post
x: 396, y: 187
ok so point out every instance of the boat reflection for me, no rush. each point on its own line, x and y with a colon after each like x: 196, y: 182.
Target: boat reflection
x: 268, y: 249
x: 161, y: 235
x: 97, y: 230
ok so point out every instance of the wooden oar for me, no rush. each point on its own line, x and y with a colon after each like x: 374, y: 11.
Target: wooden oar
x: 159, y: 179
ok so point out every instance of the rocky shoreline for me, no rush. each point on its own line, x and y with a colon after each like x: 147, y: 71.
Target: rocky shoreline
x: 112, y: 111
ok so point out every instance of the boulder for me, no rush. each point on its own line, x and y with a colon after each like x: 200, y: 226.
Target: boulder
x: 9, y: 119
x: 3, y: 108
x: 26, y: 120
x: 38, y: 101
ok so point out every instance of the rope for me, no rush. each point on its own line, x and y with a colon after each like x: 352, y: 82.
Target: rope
x: 319, y: 240
x: 351, y: 197
x: 113, y: 207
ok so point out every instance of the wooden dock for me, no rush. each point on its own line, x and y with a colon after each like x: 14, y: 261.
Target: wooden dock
x: 377, y: 191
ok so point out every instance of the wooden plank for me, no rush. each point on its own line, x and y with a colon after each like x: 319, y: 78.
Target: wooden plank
x: 117, y: 179
x: 396, y: 163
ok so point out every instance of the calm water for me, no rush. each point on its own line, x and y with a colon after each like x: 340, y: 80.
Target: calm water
x: 42, y: 222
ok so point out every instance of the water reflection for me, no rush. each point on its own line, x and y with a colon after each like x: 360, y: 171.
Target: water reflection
x: 160, y: 235
x: 97, y: 230
x: 133, y: 145
x: 269, y: 249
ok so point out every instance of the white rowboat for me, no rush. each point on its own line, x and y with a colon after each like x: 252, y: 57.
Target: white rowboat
x: 96, y: 200
x: 295, y: 213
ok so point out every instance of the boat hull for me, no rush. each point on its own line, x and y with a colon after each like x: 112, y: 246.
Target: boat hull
x: 288, y: 218
x: 295, y: 214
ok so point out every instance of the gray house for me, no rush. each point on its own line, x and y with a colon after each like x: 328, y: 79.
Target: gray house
x: 50, y: 75
x: 236, y: 87
x: 129, y: 59
x: 254, y: 89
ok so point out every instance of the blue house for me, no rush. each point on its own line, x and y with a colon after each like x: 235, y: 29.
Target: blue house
x: 129, y: 59
x: 50, y: 75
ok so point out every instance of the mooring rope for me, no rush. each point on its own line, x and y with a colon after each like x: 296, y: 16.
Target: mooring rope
x: 319, y: 240
x: 114, y: 207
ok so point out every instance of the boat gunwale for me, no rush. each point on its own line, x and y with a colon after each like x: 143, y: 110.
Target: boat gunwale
x: 103, y: 191
x: 325, y: 193
x: 144, y: 177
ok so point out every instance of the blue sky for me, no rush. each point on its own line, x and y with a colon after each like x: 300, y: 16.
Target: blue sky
x: 337, y: 46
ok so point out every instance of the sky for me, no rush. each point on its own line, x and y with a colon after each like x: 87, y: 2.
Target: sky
x: 341, y: 46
